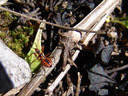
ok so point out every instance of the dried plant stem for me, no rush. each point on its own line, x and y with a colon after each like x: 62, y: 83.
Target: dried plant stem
x: 70, y: 90
x: 117, y: 69
x: 58, y: 79
x: 78, y: 84
x: 87, y: 37
x: 49, y: 23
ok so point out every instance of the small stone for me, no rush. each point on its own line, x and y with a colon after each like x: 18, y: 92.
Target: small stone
x: 113, y: 35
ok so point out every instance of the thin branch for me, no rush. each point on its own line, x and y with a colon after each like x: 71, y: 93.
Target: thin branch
x: 70, y: 91
x: 72, y: 62
x: 52, y: 24
x: 117, y: 69
x: 58, y: 79
x: 78, y: 84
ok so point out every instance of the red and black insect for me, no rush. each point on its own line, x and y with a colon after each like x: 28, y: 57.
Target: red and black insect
x: 45, y: 60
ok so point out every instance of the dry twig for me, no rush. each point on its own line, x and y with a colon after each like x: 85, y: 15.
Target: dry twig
x: 78, y: 84
x: 117, y: 69
x: 58, y: 79
x: 70, y: 90
x: 49, y: 23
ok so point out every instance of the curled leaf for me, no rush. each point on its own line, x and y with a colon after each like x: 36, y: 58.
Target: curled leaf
x: 31, y: 58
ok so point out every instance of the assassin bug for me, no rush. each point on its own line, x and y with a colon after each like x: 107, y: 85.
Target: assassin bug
x: 45, y: 60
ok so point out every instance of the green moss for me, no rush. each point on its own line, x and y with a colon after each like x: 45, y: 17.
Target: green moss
x: 2, y: 35
x: 5, y: 18
x: 20, y: 38
x: 17, y: 40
